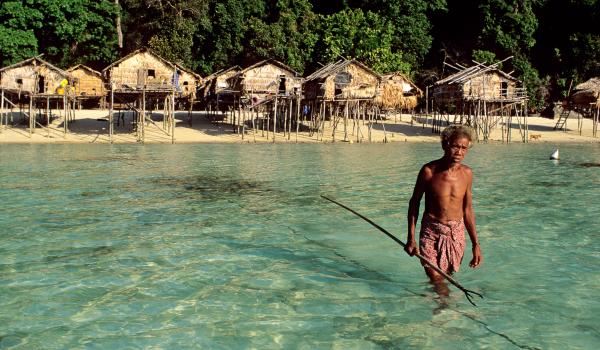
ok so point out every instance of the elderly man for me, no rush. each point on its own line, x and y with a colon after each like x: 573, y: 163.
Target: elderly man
x: 446, y: 184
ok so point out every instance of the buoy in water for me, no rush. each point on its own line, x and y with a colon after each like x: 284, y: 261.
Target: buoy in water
x: 554, y: 155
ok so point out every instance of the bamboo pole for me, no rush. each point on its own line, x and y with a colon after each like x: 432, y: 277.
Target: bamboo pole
x: 110, y: 113
x: 346, y: 111
x: 275, y: 119
x: 2, y: 115
x: 48, y: 116
x: 31, y: 120
x: 297, y: 117
x: 66, y: 116
x: 142, y: 118
x: 172, y: 118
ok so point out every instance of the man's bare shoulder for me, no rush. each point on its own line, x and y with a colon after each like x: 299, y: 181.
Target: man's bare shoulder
x: 466, y: 169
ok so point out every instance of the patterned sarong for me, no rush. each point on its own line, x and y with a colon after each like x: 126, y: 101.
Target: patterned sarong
x: 442, y: 243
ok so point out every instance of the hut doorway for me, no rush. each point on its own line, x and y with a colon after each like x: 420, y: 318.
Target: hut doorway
x: 41, y: 84
x: 282, y: 80
x: 504, y: 89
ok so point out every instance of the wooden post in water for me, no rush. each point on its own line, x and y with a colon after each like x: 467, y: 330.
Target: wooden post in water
x: 2, y: 111
x: 172, y: 117
x: 297, y: 117
x: 275, y: 119
x: 110, y: 113
x: 48, y: 116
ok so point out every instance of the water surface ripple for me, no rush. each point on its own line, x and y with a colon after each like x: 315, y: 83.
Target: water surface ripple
x: 231, y: 247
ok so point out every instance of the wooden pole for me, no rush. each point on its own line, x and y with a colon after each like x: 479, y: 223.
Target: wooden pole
x: 48, y: 116
x: 297, y: 117
x: 172, y: 117
x: 110, y: 113
x: 31, y: 117
x: 275, y: 119
x: 2, y: 111
x: 346, y: 111
x: 66, y: 116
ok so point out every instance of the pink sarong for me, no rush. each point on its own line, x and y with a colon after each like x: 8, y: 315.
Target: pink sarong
x: 442, y: 243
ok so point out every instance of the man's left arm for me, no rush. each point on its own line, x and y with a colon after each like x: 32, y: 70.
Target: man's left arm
x: 469, y: 217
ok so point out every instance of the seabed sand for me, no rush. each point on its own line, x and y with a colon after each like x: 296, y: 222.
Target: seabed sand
x: 91, y: 126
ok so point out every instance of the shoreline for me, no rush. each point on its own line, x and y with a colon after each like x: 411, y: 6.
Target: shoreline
x: 90, y: 126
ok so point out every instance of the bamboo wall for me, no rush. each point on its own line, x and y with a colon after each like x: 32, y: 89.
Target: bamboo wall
x: 87, y: 83
x: 266, y: 78
x: 363, y: 85
x: 392, y: 94
x: 188, y: 83
x: 487, y: 87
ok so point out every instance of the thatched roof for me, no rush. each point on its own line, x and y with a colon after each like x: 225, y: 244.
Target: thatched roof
x: 221, y: 72
x: 592, y: 85
x: 138, y: 51
x: 472, y: 72
x: 335, y: 67
x: 587, y: 93
x: 273, y: 62
x: 35, y: 60
x: 391, y: 76
x: 189, y: 71
x: 86, y: 68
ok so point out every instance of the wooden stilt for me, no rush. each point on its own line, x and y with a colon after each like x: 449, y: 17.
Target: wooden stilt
x: 110, y: 114
x: 275, y: 119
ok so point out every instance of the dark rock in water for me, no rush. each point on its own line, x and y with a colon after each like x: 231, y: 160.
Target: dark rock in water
x: 590, y: 165
x: 550, y: 184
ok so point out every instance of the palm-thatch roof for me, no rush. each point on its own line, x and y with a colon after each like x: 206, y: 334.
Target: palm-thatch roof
x: 273, y: 62
x: 86, y: 68
x: 587, y: 93
x: 335, y: 67
x: 136, y: 52
x: 35, y: 61
x: 33, y: 75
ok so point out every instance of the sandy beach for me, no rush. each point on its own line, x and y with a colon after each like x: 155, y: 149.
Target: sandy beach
x: 91, y: 126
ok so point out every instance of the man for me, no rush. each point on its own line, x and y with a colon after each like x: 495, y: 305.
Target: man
x: 446, y: 184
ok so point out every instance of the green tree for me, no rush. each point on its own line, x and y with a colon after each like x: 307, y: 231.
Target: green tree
x: 366, y: 36
x: 66, y: 31
x: 166, y: 26
x: 411, y: 23
x: 17, y: 31
x: 508, y: 29
x: 568, y: 49
x: 289, y: 37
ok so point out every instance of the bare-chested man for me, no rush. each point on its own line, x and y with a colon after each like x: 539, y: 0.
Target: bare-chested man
x: 446, y: 184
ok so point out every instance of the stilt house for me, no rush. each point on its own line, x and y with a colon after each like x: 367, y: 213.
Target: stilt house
x: 586, y: 95
x: 88, y: 84
x: 141, y: 70
x: 187, y: 82
x: 342, y: 80
x: 215, y: 88
x: 478, y: 83
x: 398, y: 92
x: 266, y: 78
x: 34, y: 76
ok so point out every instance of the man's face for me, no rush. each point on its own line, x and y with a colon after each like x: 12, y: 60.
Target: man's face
x: 457, y: 149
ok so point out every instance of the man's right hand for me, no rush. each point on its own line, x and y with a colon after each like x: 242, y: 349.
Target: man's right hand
x: 411, y: 248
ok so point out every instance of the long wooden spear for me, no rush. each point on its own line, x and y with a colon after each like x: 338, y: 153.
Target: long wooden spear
x: 467, y: 292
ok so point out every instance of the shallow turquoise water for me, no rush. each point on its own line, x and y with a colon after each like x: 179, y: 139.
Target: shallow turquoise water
x: 231, y: 247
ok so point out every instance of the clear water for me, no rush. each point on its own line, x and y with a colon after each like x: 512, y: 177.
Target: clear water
x: 231, y: 247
